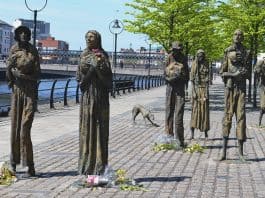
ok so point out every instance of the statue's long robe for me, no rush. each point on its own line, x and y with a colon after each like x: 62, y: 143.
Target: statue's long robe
x: 94, y: 115
x: 23, y: 101
x: 260, y: 70
x: 199, y: 76
x: 175, y: 97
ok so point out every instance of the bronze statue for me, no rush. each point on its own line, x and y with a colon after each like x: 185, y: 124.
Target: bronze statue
x: 260, y: 73
x: 23, y: 71
x: 235, y: 71
x: 176, y: 76
x: 200, y: 79
x: 95, y: 79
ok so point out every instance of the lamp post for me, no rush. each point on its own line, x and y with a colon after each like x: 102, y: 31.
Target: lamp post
x: 149, y: 61
x: 115, y: 27
x: 35, y: 10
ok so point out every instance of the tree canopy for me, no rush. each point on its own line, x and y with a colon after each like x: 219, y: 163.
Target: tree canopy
x: 199, y: 24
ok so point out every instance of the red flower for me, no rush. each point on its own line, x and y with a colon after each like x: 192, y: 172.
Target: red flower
x: 97, y: 52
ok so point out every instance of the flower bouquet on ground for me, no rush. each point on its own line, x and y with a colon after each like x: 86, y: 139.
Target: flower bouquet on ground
x: 7, y: 177
x: 165, y: 143
x: 194, y: 148
x: 110, y: 179
x: 127, y: 184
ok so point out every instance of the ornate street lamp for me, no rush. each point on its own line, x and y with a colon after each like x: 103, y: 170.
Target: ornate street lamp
x: 35, y: 10
x: 115, y: 27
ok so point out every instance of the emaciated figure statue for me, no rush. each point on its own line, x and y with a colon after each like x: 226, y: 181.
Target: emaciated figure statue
x: 176, y: 76
x: 23, y: 71
x: 200, y: 78
x: 95, y: 79
x: 235, y: 71
x: 260, y: 72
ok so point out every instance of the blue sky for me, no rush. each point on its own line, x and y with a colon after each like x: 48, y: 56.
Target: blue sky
x: 70, y: 19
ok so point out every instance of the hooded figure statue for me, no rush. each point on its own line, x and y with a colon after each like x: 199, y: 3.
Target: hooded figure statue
x: 95, y: 79
x: 23, y: 71
x: 176, y: 76
x: 200, y: 77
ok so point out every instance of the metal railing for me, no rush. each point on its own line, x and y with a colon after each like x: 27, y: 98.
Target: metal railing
x: 58, y: 90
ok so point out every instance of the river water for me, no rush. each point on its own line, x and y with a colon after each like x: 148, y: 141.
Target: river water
x: 44, y: 91
x: 45, y: 86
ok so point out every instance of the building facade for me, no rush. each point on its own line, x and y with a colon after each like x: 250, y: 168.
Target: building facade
x: 56, y: 50
x: 6, y: 39
x: 42, y: 27
x: 51, y: 44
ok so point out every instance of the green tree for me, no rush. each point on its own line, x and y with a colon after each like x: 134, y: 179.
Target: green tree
x: 167, y: 20
x: 249, y: 16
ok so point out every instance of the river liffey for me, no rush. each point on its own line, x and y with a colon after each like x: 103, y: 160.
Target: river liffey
x: 54, y: 90
x: 44, y: 92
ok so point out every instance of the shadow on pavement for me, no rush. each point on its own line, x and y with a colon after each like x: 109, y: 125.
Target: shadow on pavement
x: 256, y: 160
x: 161, y: 179
x: 218, y: 146
x: 219, y: 139
x: 57, y: 174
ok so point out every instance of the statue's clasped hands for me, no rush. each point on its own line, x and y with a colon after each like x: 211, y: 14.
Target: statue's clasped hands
x: 16, y: 73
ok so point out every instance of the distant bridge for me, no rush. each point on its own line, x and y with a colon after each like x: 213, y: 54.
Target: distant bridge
x: 61, y: 62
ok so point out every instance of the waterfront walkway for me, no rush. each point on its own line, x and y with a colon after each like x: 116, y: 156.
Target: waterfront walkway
x: 163, y: 174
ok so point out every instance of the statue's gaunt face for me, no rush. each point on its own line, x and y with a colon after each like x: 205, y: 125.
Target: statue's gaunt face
x: 201, y: 57
x: 91, y: 41
x: 23, y: 37
x: 238, y: 36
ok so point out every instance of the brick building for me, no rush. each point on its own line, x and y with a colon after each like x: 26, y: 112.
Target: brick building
x: 51, y: 44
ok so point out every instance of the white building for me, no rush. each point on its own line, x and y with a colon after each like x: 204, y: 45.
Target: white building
x: 6, y: 39
x: 42, y: 27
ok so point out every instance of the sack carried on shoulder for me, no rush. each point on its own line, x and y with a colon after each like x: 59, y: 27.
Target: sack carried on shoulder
x: 175, y: 69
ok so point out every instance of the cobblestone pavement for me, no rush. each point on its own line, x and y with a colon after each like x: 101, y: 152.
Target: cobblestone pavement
x: 163, y: 174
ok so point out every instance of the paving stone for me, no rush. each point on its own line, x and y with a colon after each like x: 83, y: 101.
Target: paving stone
x: 164, y: 174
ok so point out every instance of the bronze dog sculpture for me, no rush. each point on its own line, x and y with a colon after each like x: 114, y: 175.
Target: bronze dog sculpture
x: 145, y: 113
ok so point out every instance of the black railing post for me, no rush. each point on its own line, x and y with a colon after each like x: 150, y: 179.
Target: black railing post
x: 138, y: 83
x: 77, y: 93
x: 113, y: 85
x: 65, y: 92
x: 37, y: 96
x: 142, y: 85
x: 134, y: 83
x: 146, y: 82
x: 51, y: 96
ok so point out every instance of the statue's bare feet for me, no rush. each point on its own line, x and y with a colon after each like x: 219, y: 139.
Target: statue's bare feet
x: 206, y: 135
